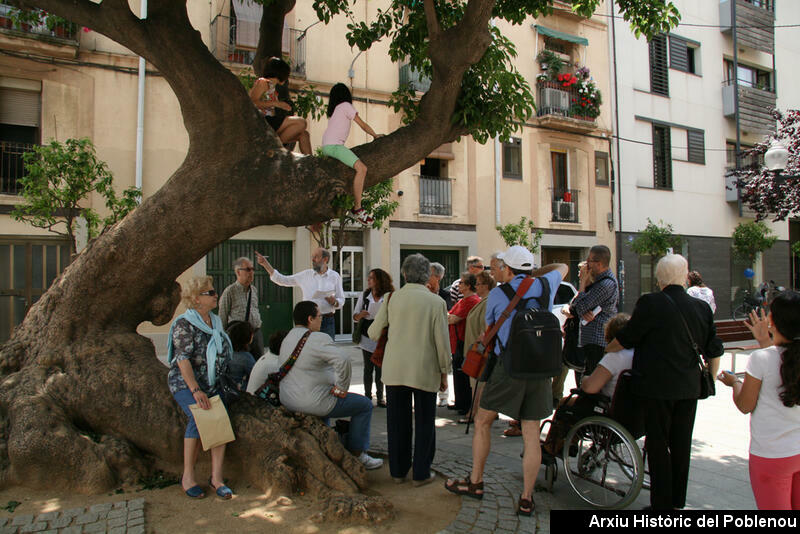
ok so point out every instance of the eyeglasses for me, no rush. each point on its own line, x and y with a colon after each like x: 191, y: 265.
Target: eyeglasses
x: 248, y: 269
x: 209, y: 293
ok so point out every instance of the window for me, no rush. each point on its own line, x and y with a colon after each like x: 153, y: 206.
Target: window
x: 659, y: 76
x: 749, y: 76
x: 20, y: 112
x: 662, y: 157
x: 558, y: 160
x: 683, y: 55
x: 512, y: 158
x: 601, y: 168
x: 745, y: 161
x: 557, y: 45
x: 696, y: 146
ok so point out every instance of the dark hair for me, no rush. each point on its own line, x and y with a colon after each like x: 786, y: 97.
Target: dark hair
x: 303, y: 310
x: 601, y: 253
x: 339, y: 93
x: 785, y: 310
x: 240, y: 333
x: 520, y: 271
x: 277, y: 68
x: 470, y: 279
x: 383, y: 282
x: 694, y: 279
x: 276, y: 340
x: 614, y: 325
x: 485, y: 277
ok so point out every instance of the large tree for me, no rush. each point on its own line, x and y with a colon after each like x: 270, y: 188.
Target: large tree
x: 84, y: 403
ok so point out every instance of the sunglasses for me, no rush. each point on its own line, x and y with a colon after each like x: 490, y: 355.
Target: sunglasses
x: 209, y: 293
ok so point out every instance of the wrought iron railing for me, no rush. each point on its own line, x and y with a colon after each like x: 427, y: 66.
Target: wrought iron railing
x: 47, y: 26
x: 564, y: 205
x: 554, y: 99
x: 415, y: 79
x: 235, y: 41
x: 435, y: 195
x: 12, y: 166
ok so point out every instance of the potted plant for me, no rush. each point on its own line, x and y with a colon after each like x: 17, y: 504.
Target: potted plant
x: 59, y: 26
x: 25, y: 19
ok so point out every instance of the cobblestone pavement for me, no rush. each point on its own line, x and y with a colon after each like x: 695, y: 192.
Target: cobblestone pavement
x: 123, y: 517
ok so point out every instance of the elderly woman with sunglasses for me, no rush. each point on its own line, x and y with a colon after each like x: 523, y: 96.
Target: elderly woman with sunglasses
x: 196, y: 351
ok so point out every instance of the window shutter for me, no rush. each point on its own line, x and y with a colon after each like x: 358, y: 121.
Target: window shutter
x: 678, y: 54
x: 695, y: 141
x: 662, y: 157
x: 659, y: 76
x: 20, y: 108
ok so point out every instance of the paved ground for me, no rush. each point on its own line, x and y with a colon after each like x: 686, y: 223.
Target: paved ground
x: 718, y: 478
x: 123, y: 517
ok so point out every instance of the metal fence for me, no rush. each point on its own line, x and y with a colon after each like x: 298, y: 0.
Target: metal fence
x: 12, y: 166
x: 48, y: 28
x: 565, y: 205
x: 435, y: 195
x: 553, y: 99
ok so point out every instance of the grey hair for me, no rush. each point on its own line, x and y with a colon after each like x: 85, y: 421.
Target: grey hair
x: 437, y: 269
x: 326, y: 254
x: 238, y: 262
x: 472, y: 260
x: 672, y: 270
x: 495, y: 257
x: 416, y: 269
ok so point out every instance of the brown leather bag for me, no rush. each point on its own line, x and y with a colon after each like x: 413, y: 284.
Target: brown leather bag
x: 478, y: 354
x: 377, y: 354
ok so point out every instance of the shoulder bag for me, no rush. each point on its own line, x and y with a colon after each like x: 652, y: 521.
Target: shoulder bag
x: 359, y: 329
x: 707, y: 387
x: 270, y: 390
x: 478, y: 354
x: 377, y: 354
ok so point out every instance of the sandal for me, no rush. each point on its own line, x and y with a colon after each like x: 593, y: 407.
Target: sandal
x: 525, y: 507
x: 223, y: 492
x: 512, y: 432
x: 456, y: 486
x: 195, y: 492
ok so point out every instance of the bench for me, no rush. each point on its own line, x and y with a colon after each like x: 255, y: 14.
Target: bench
x: 735, y: 332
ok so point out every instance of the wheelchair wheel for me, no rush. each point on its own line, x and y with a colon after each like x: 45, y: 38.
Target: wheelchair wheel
x: 550, y: 475
x: 597, y: 453
x: 630, y: 472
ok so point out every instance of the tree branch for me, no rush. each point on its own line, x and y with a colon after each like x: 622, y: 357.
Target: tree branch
x: 432, y: 20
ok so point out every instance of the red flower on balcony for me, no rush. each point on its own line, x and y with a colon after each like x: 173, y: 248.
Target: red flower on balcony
x: 567, y: 79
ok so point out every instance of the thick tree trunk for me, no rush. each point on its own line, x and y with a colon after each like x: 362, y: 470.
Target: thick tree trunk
x: 83, y: 400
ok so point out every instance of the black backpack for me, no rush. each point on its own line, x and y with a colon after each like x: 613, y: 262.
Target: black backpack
x: 534, y: 343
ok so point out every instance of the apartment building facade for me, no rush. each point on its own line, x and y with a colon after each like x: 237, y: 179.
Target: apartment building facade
x: 556, y: 169
x: 684, y: 102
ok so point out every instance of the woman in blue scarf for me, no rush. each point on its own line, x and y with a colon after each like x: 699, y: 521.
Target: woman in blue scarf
x: 197, y: 348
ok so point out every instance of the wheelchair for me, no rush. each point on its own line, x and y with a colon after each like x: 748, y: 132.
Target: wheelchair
x: 604, y: 462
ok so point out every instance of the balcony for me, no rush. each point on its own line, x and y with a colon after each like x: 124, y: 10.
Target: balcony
x: 12, y: 166
x: 37, y: 33
x: 235, y: 41
x: 755, y: 106
x: 558, y: 108
x: 435, y: 196
x: 415, y: 79
x: 565, y: 205
x: 755, y: 20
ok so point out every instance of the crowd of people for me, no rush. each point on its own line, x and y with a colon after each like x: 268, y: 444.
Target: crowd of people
x: 665, y: 344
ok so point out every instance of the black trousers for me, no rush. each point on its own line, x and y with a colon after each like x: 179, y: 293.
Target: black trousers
x: 257, y: 345
x: 400, y: 431
x: 461, y: 387
x: 592, y: 354
x: 369, y: 369
x: 669, y: 425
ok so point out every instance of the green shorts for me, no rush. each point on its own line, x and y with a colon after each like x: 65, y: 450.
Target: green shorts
x: 524, y: 400
x: 342, y: 153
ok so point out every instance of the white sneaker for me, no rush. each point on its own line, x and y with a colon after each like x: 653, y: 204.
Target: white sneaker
x: 370, y: 462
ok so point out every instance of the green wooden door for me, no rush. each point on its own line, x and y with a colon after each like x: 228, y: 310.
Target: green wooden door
x: 274, y: 302
x: 449, y: 258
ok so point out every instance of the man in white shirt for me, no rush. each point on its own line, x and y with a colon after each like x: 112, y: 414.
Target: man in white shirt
x: 319, y: 284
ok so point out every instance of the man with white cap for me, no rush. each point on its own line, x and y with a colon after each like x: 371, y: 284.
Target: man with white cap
x: 526, y: 400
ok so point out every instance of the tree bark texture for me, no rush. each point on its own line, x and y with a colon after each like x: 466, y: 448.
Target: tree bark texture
x: 84, y: 403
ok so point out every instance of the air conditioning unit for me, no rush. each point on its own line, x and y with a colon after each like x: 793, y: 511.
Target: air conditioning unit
x: 554, y: 100
x: 563, y: 211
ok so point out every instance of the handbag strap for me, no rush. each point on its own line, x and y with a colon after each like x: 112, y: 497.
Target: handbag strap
x: 249, y: 300
x: 686, y: 325
x: 488, y: 336
x: 289, y: 363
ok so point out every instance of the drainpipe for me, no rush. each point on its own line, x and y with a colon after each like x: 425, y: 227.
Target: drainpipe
x: 140, y: 111
x: 498, y: 167
x: 616, y: 174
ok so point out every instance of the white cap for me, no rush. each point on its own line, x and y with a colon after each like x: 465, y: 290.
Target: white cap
x: 517, y: 257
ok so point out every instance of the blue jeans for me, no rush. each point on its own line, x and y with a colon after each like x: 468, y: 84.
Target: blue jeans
x: 184, y: 398
x: 329, y: 326
x: 359, y: 409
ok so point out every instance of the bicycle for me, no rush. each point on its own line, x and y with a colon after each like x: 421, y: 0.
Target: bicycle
x: 749, y: 303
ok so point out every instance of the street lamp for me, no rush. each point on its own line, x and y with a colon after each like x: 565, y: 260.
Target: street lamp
x: 776, y: 159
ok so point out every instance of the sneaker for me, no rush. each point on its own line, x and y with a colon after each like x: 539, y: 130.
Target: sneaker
x: 362, y: 216
x: 370, y: 462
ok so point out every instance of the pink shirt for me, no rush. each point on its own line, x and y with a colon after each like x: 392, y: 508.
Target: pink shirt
x: 339, y: 124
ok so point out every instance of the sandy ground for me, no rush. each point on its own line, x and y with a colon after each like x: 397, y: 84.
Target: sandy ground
x: 421, y: 510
